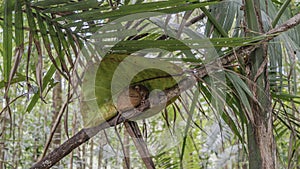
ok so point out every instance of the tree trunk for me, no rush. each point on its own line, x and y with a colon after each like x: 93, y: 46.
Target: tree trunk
x: 100, y: 156
x: 126, y: 158
x: 4, y: 119
x: 261, y: 145
x: 91, y: 154
x: 56, y: 106
x: 2, y: 140
x: 73, y: 133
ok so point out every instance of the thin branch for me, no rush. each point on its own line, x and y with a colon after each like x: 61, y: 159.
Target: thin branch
x: 56, y: 123
x: 195, y: 19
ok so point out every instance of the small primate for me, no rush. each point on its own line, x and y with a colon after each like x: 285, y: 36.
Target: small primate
x: 132, y: 97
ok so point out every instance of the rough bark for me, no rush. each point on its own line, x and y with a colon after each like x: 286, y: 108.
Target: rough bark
x: 261, y: 144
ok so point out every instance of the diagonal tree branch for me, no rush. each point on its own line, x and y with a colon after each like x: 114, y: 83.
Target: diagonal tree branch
x: 135, y: 133
x: 197, y: 74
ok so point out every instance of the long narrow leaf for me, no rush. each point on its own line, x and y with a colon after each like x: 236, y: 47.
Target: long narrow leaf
x: 33, y: 30
x: 19, y: 31
x: 162, y: 7
x: 47, y: 43
x: 46, y: 81
x: 7, y: 39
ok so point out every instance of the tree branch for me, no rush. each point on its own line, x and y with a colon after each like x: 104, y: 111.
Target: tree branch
x: 85, y: 134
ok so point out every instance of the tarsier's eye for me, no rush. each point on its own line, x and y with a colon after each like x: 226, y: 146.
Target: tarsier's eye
x: 137, y: 88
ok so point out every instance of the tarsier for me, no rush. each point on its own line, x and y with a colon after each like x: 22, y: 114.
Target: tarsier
x: 132, y: 97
